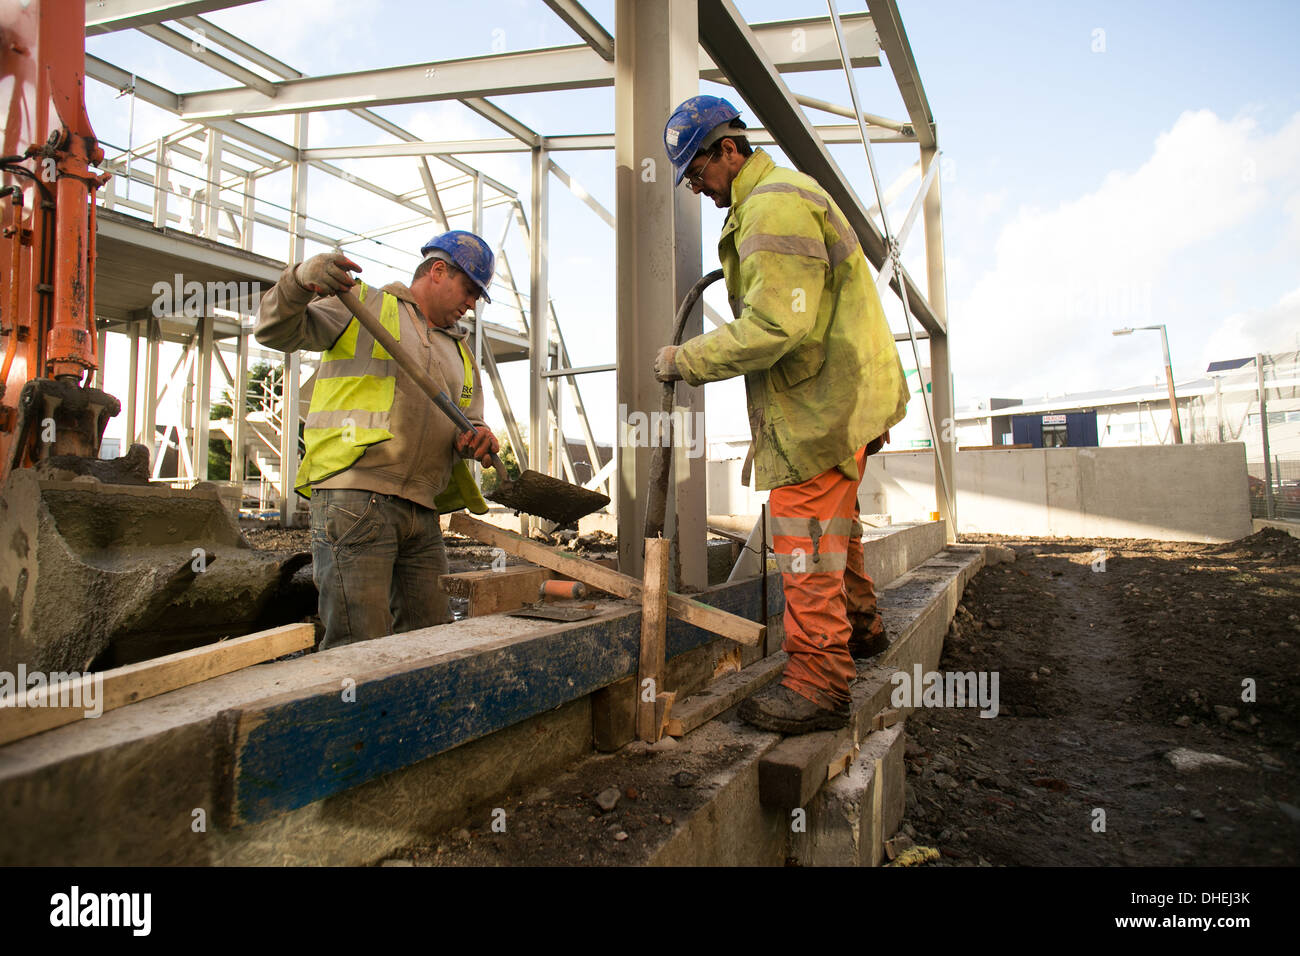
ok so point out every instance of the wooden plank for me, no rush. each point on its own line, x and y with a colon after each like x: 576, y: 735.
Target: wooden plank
x: 886, y: 718
x: 795, y: 769
x: 699, y: 709
x: 306, y: 743
x: 663, y: 712
x: 613, y: 715
x: 654, y: 632
x: 785, y: 775
x: 712, y: 619
x: 115, y: 688
x: 841, y: 763
x: 491, y: 591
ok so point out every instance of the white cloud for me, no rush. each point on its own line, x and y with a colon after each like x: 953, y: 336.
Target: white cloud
x: 1274, y: 329
x: 1040, y: 318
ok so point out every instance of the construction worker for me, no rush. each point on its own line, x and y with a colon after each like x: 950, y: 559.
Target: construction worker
x: 381, y: 461
x: 824, y: 384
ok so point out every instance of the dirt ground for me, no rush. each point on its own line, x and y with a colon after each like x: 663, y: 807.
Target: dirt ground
x: 1104, y: 668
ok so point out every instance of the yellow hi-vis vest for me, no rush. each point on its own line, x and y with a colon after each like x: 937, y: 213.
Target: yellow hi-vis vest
x: 351, y: 406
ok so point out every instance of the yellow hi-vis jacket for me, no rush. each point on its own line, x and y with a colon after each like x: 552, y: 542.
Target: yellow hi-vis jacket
x: 351, y: 407
x: 822, y: 372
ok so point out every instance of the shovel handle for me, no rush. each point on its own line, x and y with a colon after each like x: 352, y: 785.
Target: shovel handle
x: 419, y: 375
x: 452, y: 411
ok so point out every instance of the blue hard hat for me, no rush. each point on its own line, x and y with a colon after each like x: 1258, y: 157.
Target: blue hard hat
x: 469, y: 252
x: 689, y: 125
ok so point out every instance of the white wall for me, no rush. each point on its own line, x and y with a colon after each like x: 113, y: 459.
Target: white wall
x: 1167, y: 492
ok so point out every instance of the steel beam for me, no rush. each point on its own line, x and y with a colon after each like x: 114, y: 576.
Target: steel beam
x: 197, y: 50
x: 577, y: 189
x: 831, y: 135
x: 586, y: 26
x: 495, y: 114
x: 659, y: 257
x: 893, y: 40
x: 108, y: 16
x: 211, y: 32
x: 732, y: 44
x: 534, y: 71
x: 121, y: 80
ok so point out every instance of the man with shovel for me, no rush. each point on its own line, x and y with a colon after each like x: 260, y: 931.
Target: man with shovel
x: 824, y: 384
x: 382, y: 461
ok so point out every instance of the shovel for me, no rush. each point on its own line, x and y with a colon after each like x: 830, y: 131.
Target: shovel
x: 531, y: 492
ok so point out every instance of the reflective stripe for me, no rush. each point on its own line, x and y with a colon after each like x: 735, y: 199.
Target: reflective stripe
x: 346, y: 418
x: 356, y: 367
x: 788, y: 245
x: 843, y: 249
x: 807, y: 194
x: 833, y: 562
x: 804, y: 527
x: 847, y: 239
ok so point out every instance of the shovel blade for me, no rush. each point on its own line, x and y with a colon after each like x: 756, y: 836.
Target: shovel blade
x: 547, y: 497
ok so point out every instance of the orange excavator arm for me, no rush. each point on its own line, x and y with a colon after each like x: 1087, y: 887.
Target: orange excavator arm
x: 47, y: 244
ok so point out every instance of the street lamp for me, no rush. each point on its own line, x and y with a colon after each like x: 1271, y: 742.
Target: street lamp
x: 1169, y: 376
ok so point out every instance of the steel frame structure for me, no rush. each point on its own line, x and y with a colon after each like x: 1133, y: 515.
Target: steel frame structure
x: 657, y: 56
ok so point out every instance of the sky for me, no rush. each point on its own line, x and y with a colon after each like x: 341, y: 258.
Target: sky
x: 1105, y: 165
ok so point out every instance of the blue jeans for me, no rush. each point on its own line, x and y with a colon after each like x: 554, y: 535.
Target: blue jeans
x: 376, y: 561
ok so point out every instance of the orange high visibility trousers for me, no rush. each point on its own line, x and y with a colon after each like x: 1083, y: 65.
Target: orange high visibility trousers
x: 817, y: 541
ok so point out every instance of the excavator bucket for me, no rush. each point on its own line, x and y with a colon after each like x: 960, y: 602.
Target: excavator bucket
x: 111, y: 573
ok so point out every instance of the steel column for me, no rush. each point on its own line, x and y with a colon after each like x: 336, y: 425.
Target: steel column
x: 238, y: 406
x: 292, y: 361
x: 656, y: 60
x: 149, y: 426
x: 940, y: 367
x: 213, y: 188
x: 202, y: 399
x: 539, y: 318
x: 133, y: 384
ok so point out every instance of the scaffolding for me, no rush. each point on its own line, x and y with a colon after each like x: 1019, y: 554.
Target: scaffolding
x: 656, y: 56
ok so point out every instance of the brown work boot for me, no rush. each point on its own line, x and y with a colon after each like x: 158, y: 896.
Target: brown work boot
x: 864, y: 644
x: 780, y: 709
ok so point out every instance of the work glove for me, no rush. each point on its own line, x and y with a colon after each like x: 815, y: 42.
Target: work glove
x: 666, y: 364
x: 481, y: 444
x: 324, y: 274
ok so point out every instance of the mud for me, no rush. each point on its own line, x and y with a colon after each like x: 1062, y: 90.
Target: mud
x: 1105, y: 668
